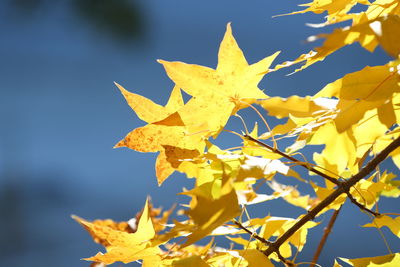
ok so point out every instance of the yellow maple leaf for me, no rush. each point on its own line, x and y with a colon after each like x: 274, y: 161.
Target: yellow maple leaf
x: 385, y: 260
x: 123, y: 246
x: 255, y: 258
x: 335, y: 9
x: 392, y: 223
x: 159, y: 134
x: 294, y: 105
x: 375, y: 10
x: 152, y: 137
x: 369, y: 88
x: 207, y: 214
x: 369, y: 34
x: 149, y: 111
x: 195, y: 261
x: 221, y: 92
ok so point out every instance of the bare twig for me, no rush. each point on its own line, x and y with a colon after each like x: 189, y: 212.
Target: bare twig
x: 361, y: 206
x: 345, y: 186
x: 305, y: 165
x: 322, y: 242
x: 255, y: 235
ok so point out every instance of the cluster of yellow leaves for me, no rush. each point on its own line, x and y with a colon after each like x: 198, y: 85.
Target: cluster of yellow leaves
x: 137, y: 240
x: 386, y: 260
x: 354, y: 117
x: 178, y: 131
x: 348, y: 116
x: 379, y: 24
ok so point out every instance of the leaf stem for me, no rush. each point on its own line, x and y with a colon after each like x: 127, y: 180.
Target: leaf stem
x: 305, y: 165
x: 312, y: 169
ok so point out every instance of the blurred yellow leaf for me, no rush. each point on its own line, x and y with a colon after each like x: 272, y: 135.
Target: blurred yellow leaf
x: 123, y: 246
x: 255, y: 258
x: 207, y: 214
x: 392, y: 223
x: 391, y: 260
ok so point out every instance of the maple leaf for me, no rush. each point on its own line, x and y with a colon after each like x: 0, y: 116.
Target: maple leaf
x: 294, y: 105
x: 255, y: 257
x: 149, y: 111
x: 368, y: 33
x: 335, y: 9
x: 195, y: 261
x: 385, y: 260
x: 376, y: 9
x: 207, y: 214
x: 159, y: 135
x: 123, y: 246
x: 221, y: 92
x: 358, y: 92
x: 392, y: 223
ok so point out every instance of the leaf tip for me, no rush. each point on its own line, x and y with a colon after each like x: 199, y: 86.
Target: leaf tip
x: 120, y: 144
x: 122, y: 89
x: 229, y: 27
x: 78, y: 219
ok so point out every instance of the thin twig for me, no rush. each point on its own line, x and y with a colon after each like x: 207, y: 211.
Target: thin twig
x: 361, y: 206
x: 312, y: 169
x: 263, y: 240
x: 345, y: 186
x: 307, y: 166
x: 255, y: 235
x: 322, y: 242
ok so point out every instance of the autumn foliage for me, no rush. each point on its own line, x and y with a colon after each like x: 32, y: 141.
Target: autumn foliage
x: 355, y: 118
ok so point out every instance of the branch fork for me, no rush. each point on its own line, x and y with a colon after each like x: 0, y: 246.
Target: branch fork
x: 343, y: 188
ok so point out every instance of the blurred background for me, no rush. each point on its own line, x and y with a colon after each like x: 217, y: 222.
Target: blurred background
x: 61, y: 114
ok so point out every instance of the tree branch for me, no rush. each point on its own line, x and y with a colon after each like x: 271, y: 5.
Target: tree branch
x: 310, y: 168
x: 327, y: 231
x: 361, y: 206
x: 304, y: 164
x: 343, y: 188
x: 263, y: 240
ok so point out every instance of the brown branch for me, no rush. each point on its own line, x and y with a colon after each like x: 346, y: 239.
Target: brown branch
x: 263, y: 240
x: 343, y: 188
x: 310, y: 168
x: 361, y: 206
x: 304, y: 164
x: 327, y: 231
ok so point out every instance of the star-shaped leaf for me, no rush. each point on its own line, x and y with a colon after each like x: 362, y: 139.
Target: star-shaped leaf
x: 220, y: 92
x: 123, y: 246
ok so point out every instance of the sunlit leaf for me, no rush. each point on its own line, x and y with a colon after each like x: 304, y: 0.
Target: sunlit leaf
x: 123, y: 246
x: 386, y: 260
x: 231, y: 86
x: 392, y: 223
